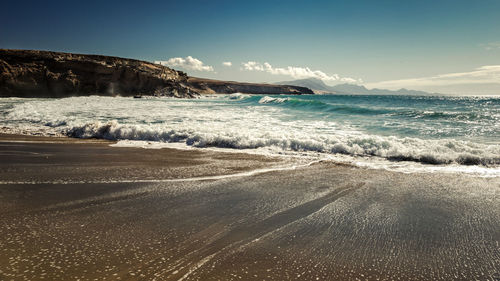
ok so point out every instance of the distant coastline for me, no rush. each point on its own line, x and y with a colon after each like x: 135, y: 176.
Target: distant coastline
x: 30, y: 73
x: 319, y: 87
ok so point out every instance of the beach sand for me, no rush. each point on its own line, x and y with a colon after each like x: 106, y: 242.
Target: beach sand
x: 79, y: 209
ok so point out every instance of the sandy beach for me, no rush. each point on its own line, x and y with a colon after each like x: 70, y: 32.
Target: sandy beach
x: 75, y: 209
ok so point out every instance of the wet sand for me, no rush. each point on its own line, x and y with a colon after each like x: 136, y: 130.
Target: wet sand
x: 80, y: 209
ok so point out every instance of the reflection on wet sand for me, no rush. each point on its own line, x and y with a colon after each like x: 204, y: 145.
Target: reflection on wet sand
x: 319, y: 222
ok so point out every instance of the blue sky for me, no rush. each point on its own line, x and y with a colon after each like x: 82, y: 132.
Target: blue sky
x: 392, y: 44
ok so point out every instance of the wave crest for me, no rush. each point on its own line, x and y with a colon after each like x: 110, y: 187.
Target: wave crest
x: 237, y: 96
x: 391, y: 148
x: 268, y: 99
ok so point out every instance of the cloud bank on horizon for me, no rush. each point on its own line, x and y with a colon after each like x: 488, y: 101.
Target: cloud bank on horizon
x: 297, y: 72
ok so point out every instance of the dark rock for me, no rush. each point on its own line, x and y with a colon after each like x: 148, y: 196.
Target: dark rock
x: 52, y: 74
x: 208, y: 86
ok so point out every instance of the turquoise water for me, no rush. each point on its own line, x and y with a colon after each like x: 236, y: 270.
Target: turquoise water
x: 429, y: 117
x: 437, y: 130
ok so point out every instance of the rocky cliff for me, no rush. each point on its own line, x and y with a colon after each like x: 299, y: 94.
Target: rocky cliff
x: 53, y: 74
x: 25, y: 73
x: 208, y: 86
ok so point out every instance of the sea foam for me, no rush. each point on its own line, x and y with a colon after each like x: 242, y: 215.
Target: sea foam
x: 268, y: 99
x: 279, y: 125
x: 391, y: 148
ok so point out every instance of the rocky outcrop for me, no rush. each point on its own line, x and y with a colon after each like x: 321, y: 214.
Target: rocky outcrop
x: 26, y: 73
x: 208, y: 86
x: 53, y: 74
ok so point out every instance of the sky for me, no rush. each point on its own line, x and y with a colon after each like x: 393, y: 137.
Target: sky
x: 446, y: 46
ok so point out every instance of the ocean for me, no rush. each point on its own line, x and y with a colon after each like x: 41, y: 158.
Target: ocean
x: 404, y: 133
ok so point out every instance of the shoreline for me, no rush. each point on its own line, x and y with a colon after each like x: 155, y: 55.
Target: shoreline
x: 361, y: 162
x: 313, y: 222
x: 262, y: 134
x: 86, y: 152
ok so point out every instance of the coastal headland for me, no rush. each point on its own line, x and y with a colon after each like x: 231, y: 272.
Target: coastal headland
x: 80, y: 209
x: 29, y: 73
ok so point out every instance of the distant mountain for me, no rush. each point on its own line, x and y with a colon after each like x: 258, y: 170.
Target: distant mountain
x: 312, y: 83
x: 319, y: 87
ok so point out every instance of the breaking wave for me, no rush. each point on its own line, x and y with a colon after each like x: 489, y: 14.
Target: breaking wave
x: 268, y: 99
x: 398, y: 129
x: 391, y: 148
x: 237, y: 96
x: 305, y: 104
x: 424, y: 113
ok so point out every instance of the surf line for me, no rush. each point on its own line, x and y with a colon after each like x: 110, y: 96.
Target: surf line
x: 206, y: 178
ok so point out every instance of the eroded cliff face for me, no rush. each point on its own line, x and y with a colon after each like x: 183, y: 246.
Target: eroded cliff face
x: 26, y: 73
x: 53, y: 74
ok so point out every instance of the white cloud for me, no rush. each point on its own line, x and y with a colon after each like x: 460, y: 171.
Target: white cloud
x: 187, y: 63
x: 253, y: 66
x: 491, y: 46
x: 489, y: 74
x: 297, y: 72
x: 227, y: 63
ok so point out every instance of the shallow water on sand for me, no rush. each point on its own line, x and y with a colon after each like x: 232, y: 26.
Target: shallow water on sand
x: 317, y: 222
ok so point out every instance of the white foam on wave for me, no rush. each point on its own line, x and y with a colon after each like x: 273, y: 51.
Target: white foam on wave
x: 152, y: 144
x: 238, y: 96
x: 268, y: 99
x: 358, y: 161
x: 392, y: 148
